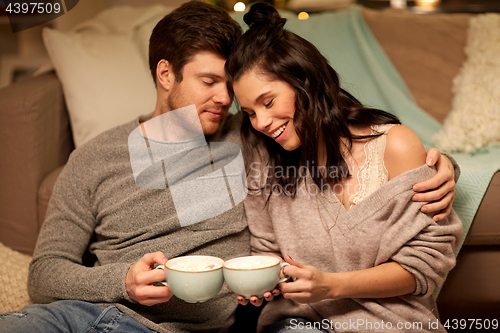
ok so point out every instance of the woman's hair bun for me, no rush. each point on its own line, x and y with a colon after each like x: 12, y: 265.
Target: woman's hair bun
x: 263, y: 14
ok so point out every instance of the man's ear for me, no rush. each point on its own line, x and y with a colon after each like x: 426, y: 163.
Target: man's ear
x: 165, y: 75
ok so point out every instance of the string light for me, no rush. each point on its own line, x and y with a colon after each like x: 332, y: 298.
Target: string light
x: 239, y: 7
x: 303, y: 16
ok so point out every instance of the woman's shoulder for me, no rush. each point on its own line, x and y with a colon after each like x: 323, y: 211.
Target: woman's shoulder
x: 404, y: 151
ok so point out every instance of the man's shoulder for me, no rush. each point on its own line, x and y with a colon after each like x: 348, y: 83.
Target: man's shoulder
x: 109, y: 142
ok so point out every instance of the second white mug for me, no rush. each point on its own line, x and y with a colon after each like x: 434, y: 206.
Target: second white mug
x: 253, y: 275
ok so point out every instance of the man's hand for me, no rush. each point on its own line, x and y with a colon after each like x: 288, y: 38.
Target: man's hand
x: 141, y: 276
x: 439, y: 190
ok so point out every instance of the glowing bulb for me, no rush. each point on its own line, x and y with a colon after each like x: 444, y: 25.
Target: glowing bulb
x: 303, y: 16
x: 428, y: 4
x: 239, y: 7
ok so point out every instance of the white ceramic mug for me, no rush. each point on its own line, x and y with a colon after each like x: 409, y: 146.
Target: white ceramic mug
x: 253, y: 275
x: 192, y: 278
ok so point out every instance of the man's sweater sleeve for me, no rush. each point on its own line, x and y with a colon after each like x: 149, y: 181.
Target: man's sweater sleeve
x: 56, y: 271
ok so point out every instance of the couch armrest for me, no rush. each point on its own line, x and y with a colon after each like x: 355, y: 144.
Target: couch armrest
x: 36, y: 139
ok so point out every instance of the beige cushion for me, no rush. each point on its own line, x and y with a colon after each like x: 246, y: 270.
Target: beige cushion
x: 103, y: 68
x: 474, y: 121
x: 34, y: 123
x: 13, y: 280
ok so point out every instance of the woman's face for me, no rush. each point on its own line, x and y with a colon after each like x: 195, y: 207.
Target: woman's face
x: 270, y: 105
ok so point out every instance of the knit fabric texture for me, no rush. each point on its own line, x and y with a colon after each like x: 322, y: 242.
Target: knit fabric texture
x: 96, y: 204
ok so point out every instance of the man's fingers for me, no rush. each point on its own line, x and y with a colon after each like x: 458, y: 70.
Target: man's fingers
x: 442, y: 215
x: 445, y: 173
x: 154, y: 258
x: 150, y: 295
x: 435, y: 195
x: 434, y: 207
x: 149, y: 277
x: 432, y: 183
x: 433, y: 156
x: 146, y: 292
x: 442, y: 207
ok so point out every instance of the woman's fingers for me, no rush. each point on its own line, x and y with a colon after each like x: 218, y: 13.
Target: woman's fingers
x: 256, y: 301
x: 242, y: 300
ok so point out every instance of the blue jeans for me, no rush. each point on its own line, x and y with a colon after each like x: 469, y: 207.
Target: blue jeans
x: 69, y: 316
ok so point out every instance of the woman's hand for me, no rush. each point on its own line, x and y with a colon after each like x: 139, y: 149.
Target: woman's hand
x: 268, y: 295
x: 257, y: 301
x: 439, y: 190
x: 311, y: 285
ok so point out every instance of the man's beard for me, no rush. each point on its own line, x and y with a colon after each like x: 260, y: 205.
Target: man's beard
x: 176, y: 101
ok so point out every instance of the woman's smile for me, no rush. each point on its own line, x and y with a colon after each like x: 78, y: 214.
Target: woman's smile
x: 270, y: 105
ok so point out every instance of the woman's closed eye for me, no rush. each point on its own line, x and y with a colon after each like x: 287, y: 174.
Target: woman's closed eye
x: 250, y: 114
x: 269, y: 104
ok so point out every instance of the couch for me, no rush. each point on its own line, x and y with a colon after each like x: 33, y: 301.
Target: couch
x: 427, y: 51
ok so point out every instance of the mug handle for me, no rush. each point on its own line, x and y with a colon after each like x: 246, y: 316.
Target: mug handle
x: 283, y: 264
x: 162, y: 267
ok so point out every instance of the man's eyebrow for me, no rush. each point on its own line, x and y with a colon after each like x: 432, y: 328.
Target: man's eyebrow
x: 212, y: 75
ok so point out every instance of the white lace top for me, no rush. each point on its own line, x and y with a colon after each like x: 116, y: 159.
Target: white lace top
x: 372, y: 174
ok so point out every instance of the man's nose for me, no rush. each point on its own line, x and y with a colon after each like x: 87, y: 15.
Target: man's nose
x: 222, y: 96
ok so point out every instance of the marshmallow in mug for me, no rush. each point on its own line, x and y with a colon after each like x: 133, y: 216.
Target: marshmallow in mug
x: 194, y: 266
x: 253, y: 262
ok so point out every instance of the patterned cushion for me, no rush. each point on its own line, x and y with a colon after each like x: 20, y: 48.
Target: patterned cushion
x: 13, y: 280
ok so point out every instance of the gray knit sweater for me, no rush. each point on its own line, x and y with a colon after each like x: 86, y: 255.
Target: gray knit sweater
x: 96, y: 204
x: 387, y: 225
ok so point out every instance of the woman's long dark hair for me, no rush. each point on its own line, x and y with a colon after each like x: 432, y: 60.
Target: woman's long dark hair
x: 321, y: 105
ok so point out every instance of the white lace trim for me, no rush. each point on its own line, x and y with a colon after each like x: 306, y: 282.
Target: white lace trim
x: 372, y: 174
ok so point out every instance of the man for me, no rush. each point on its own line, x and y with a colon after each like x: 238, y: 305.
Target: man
x: 97, y: 205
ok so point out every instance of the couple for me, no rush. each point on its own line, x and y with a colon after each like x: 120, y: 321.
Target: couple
x: 379, y: 260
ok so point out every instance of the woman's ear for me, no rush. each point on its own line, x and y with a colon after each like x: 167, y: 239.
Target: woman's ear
x: 165, y: 75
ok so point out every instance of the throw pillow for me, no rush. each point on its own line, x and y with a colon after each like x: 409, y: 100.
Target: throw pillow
x: 474, y: 121
x: 103, y: 68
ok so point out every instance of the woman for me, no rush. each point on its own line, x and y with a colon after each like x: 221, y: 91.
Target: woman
x: 331, y: 186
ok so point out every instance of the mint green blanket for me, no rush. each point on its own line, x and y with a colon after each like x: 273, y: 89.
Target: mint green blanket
x: 367, y: 73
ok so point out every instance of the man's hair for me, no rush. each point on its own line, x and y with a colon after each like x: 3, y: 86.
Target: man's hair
x: 193, y: 27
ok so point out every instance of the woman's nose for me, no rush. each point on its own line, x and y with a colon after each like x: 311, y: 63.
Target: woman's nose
x: 262, y: 122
